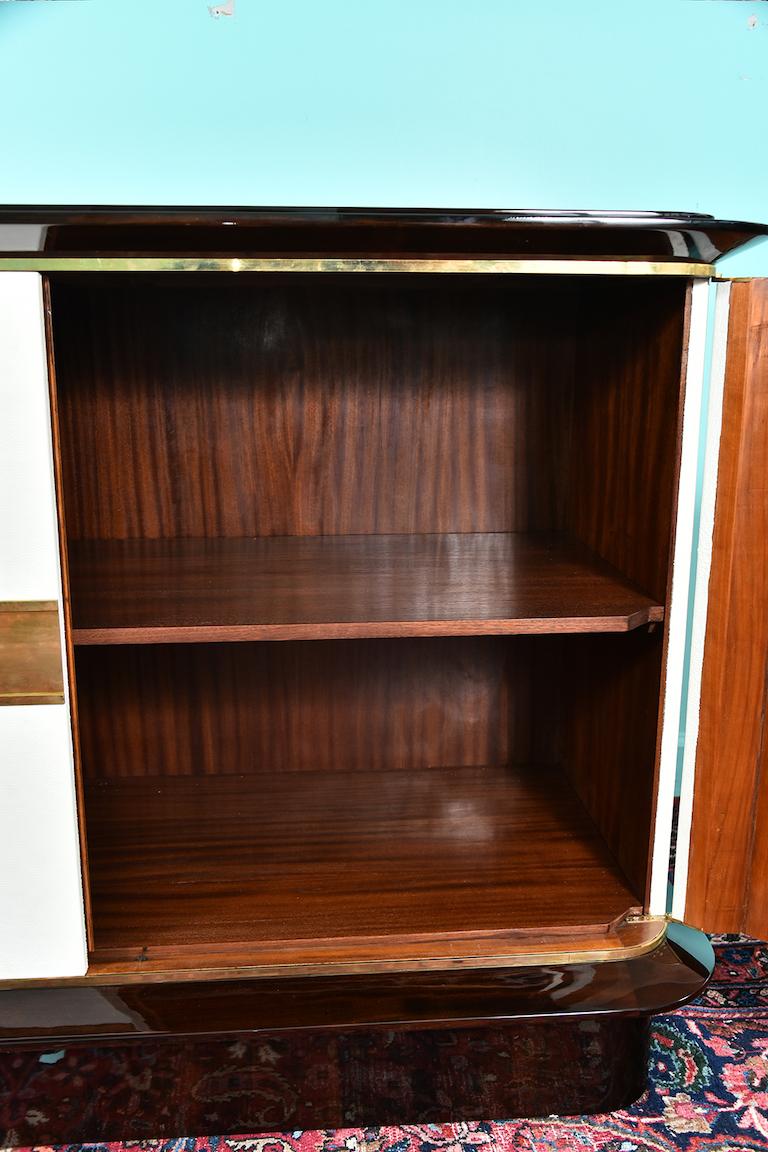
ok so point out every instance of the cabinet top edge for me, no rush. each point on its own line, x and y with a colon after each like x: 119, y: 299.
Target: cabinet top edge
x: 159, y: 213
x: 104, y: 230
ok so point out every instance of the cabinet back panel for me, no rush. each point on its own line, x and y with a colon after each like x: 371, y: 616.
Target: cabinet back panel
x: 308, y: 705
x: 309, y: 407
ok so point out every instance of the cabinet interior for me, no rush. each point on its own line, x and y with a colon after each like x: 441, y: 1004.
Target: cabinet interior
x: 367, y: 579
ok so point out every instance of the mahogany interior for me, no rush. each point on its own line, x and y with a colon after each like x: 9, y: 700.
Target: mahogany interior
x: 436, y: 780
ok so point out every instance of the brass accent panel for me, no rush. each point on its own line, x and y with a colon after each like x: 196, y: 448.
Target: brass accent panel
x: 352, y: 264
x: 30, y: 653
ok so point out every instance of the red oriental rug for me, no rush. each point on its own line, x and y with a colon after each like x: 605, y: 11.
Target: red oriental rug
x: 708, y: 1086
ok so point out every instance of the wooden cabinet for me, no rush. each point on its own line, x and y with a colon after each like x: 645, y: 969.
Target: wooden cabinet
x: 376, y: 537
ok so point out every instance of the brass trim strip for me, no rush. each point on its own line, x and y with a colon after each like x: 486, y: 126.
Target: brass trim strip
x: 31, y: 698
x: 522, y: 959
x: 29, y: 606
x: 352, y: 264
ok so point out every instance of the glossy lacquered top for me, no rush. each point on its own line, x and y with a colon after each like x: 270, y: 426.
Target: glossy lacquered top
x: 152, y: 231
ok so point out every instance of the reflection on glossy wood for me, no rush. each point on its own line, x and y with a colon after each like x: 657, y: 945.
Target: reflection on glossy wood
x: 282, y: 860
x: 30, y: 653
x: 281, y: 1082
x: 284, y: 588
x: 241, y: 230
x: 656, y: 981
x: 727, y: 889
x: 381, y: 1049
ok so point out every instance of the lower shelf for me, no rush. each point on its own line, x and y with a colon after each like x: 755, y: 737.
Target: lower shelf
x: 346, y: 868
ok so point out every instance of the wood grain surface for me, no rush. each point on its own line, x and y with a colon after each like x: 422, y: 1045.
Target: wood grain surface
x: 30, y: 653
x: 607, y: 711
x: 306, y: 407
x: 391, y: 705
x: 291, y: 859
x: 283, y: 588
x: 620, y: 475
x: 302, y: 408
x: 295, y: 457
x: 630, y: 935
x: 727, y: 889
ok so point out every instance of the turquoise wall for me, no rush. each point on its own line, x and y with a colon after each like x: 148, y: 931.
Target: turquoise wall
x: 653, y: 104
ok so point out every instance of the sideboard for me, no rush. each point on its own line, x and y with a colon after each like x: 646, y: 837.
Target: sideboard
x: 353, y: 603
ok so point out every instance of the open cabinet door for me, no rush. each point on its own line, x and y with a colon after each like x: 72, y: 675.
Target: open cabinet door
x: 728, y: 873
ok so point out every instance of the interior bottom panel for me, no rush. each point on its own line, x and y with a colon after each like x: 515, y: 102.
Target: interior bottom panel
x: 276, y: 861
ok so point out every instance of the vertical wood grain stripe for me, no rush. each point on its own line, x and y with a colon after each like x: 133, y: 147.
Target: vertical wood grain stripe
x: 727, y: 844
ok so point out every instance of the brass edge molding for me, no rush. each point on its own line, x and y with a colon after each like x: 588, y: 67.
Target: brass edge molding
x: 31, y: 697
x: 29, y: 606
x: 31, y: 670
x: 95, y: 978
x: 513, y: 267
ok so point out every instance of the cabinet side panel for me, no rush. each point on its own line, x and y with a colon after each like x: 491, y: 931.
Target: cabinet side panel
x: 621, y: 479
x: 727, y: 841
x: 610, y: 703
x: 623, y: 458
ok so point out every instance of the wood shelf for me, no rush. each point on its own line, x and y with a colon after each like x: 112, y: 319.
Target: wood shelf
x: 348, y: 867
x: 335, y: 587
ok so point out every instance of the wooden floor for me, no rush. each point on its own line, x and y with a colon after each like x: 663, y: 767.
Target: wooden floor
x: 185, y: 865
x: 322, y: 587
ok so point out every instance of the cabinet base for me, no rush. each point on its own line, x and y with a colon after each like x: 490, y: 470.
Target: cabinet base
x: 92, y: 1063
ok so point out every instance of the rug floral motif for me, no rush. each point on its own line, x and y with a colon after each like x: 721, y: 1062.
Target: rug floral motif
x: 708, y: 1088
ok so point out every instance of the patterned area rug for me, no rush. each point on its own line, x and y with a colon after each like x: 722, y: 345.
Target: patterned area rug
x: 708, y: 1088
